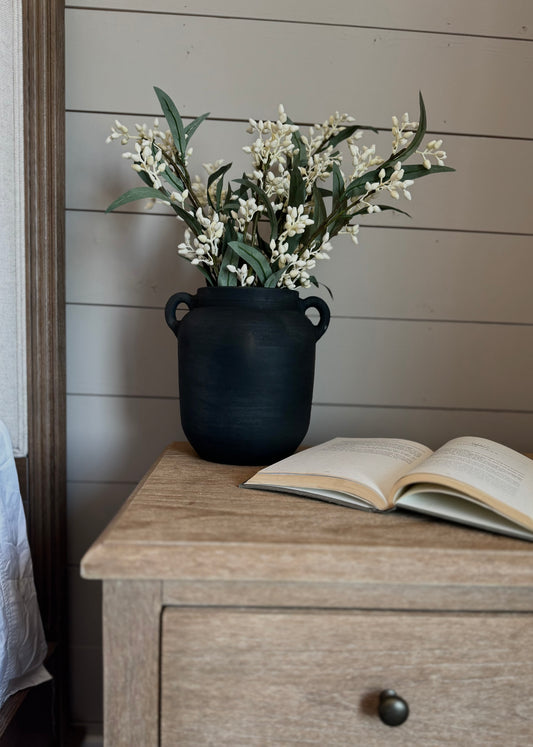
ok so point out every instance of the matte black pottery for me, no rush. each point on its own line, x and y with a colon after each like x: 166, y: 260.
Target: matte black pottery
x: 246, y: 370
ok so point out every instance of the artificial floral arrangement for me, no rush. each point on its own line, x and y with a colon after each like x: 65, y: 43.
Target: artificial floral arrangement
x: 270, y: 226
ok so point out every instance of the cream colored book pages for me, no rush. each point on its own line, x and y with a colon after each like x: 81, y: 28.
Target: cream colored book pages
x: 372, y: 462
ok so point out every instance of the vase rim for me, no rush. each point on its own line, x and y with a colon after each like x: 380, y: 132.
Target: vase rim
x: 247, y: 295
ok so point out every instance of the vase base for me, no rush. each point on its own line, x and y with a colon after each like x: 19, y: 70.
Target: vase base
x: 252, y: 458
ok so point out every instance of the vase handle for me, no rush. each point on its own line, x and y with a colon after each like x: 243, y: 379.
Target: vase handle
x: 171, y: 307
x: 314, y: 302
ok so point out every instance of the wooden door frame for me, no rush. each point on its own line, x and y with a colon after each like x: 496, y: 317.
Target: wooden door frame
x: 44, y: 157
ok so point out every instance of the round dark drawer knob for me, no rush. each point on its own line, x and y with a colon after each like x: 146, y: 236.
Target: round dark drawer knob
x: 393, y: 710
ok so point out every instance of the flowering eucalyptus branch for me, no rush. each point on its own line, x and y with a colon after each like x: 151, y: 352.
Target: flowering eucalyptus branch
x: 283, y: 193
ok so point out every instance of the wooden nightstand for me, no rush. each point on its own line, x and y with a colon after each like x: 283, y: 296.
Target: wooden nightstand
x: 239, y: 617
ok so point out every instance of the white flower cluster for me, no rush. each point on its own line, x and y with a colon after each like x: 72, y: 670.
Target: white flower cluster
x: 432, y: 149
x: 402, y: 132
x: 247, y: 212
x: 274, y: 144
x: 363, y: 159
x: 154, y: 149
x: 226, y: 227
x: 204, y: 248
x: 394, y: 184
x: 245, y: 274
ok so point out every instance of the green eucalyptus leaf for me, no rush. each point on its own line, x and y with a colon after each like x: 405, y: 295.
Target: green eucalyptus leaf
x: 319, y: 209
x: 382, y: 209
x: 137, y: 193
x: 189, y: 219
x: 357, y: 187
x: 261, y: 194
x: 225, y: 277
x: 419, y: 134
x: 338, y: 186
x: 334, y: 140
x: 218, y: 174
x: 416, y: 171
x: 145, y: 178
x: 263, y: 246
x: 297, y: 192
x: 273, y: 280
x: 253, y: 257
x: 191, y: 128
x: 174, y: 120
x: 169, y: 176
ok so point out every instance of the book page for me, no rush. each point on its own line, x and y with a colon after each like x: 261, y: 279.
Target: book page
x: 373, y: 462
x: 452, y: 506
x: 489, y: 468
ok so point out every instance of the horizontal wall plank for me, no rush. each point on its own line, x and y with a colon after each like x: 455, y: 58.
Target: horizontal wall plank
x: 132, y: 260
x: 469, y: 199
x: 512, y: 18
x: 100, y: 449
x: 90, y: 508
x: 461, y: 77
x: 116, y: 439
x: 424, y: 364
x: 118, y: 350
x: 432, y: 427
x: 359, y: 361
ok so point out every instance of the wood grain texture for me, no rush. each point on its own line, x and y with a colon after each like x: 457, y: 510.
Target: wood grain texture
x: 131, y: 663
x: 346, y: 594
x: 45, y: 292
x: 265, y: 677
x: 190, y: 515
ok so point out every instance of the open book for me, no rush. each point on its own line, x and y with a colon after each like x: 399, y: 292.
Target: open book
x: 469, y: 480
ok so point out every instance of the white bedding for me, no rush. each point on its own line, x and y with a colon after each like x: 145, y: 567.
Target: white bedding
x: 22, y: 640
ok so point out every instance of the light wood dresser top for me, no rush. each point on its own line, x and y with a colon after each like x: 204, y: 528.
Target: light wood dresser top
x: 232, y: 612
x: 189, y: 519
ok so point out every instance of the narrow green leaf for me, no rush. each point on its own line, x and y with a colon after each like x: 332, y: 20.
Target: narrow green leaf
x: 191, y: 128
x: 296, y: 188
x: 225, y: 277
x: 137, y: 193
x: 266, y: 202
x: 419, y: 134
x: 190, y: 220
x: 357, y: 187
x: 334, y: 140
x: 174, y: 120
x: 218, y: 195
x: 169, y: 176
x: 273, y: 280
x: 338, y: 186
x: 383, y: 208
x: 340, y: 221
x: 253, y: 257
x: 218, y: 174
x: 415, y: 171
x: 319, y: 211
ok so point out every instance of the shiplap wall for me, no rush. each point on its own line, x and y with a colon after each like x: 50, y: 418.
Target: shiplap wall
x: 432, y: 328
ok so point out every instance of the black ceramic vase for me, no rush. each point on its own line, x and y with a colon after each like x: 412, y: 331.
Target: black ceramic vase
x: 246, y: 359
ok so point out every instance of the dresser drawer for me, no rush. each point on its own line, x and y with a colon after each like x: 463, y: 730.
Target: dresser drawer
x: 258, y: 677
